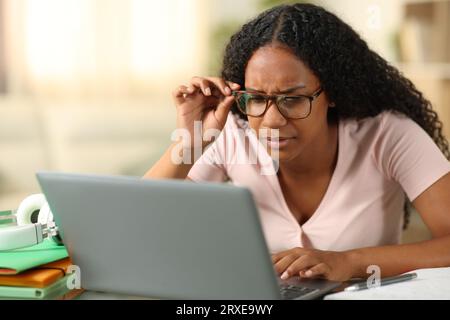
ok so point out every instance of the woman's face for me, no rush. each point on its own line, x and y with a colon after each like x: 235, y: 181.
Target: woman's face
x: 275, y: 70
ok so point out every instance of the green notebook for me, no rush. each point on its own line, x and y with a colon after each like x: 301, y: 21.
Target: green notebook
x: 6, y: 218
x: 57, y: 288
x: 16, y: 261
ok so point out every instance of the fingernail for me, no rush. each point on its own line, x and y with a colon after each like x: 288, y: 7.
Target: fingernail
x: 235, y: 85
x: 284, y: 276
x: 227, y: 90
x: 208, y: 91
x: 308, y: 273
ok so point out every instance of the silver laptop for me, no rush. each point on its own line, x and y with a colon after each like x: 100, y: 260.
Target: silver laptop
x: 167, y: 239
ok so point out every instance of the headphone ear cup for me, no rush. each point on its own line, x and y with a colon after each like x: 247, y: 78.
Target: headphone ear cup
x: 28, y: 207
x: 45, y: 216
x: 27, y: 211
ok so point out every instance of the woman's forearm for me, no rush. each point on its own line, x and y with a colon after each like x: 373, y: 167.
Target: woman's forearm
x: 169, y: 165
x: 397, y: 259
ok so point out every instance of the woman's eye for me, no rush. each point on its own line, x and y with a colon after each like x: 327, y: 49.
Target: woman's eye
x: 291, y: 101
x: 294, y: 102
x: 257, y: 99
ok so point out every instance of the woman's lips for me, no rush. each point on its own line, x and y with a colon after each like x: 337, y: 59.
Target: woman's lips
x: 278, y: 143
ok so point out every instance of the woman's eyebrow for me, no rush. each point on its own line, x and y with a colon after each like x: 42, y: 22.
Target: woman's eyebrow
x: 300, y: 86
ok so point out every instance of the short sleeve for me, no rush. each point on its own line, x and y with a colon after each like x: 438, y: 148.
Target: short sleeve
x: 408, y: 155
x: 211, y: 165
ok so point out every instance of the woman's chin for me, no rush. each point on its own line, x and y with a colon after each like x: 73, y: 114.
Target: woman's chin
x: 281, y: 155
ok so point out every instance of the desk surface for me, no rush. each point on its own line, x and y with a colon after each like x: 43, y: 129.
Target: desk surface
x: 429, y: 284
x: 92, y: 295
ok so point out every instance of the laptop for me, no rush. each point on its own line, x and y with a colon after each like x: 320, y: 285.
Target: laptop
x: 167, y: 239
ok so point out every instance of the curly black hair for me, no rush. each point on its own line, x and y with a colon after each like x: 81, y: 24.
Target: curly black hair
x: 356, y: 79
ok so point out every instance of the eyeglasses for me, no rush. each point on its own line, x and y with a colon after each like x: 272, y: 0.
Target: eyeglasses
x: 291, y: 107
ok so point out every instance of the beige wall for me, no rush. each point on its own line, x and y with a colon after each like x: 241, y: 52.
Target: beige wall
x: 115, y: 123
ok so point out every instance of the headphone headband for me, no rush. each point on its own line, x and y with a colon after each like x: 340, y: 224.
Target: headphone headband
x: 20, y: 236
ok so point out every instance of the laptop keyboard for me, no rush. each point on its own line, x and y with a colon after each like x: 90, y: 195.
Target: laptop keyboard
x: 292, y: 292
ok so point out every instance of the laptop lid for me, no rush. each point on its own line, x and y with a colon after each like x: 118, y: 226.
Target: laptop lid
x: 162, y: 238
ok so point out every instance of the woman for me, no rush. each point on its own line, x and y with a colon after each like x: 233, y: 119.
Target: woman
x: 356, y: 140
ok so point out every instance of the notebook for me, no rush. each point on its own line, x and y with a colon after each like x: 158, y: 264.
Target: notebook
x: 19, y: 260
x: 38, y: 277
x: 6, y: 218
x: 58, y: 288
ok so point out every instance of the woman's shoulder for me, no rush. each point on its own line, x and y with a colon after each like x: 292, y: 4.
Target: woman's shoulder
x: 233, y: 134
x: 235, y: 128
x: 234, y: 121
x: 384, y: 124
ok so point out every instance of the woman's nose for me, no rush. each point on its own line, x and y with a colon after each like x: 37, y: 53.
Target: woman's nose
x: 273, y: 118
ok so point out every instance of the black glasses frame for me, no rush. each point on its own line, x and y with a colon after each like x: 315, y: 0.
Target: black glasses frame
x: 276, y: 98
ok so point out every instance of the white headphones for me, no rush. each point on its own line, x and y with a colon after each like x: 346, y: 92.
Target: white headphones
x: 34, y: 224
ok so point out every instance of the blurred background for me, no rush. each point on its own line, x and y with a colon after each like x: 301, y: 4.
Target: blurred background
x: 85, y: 85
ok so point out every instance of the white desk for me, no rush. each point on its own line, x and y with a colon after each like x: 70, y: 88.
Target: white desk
x: 430, y: 284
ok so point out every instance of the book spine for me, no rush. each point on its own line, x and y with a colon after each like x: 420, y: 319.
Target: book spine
x: 55, y: 289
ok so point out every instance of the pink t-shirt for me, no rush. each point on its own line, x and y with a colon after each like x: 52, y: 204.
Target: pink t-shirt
x: 379, y: 160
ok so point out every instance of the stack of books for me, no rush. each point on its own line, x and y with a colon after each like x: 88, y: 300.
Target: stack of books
x: 6, y: 218
x: 37, y: 272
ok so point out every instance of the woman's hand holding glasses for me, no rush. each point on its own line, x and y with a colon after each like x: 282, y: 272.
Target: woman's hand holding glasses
x: 205, y: 99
